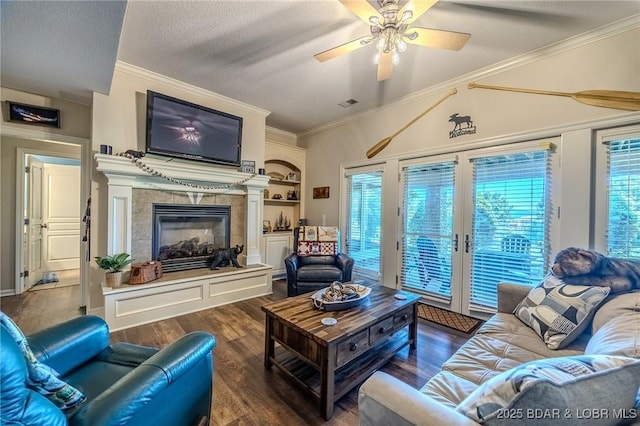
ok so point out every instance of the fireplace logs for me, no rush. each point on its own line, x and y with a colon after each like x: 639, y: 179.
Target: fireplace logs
x: 185, y: 248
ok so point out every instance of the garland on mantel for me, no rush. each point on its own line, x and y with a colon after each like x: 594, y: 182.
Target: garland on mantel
x: 152, y: 172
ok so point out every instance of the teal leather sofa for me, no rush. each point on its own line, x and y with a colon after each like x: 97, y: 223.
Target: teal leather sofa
x: 124, y: 384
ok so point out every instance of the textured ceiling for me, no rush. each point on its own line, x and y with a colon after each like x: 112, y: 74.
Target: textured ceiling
x: 261, y: 52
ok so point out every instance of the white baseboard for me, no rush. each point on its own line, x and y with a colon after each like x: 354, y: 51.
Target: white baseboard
x: 7, y: 293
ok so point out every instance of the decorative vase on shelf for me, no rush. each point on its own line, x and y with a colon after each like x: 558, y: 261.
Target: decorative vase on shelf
x: 113, y: 279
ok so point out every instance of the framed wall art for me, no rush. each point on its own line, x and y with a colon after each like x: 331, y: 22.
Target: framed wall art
x: 321, y: 192
x: 31, y: 114
x: 247, y: 166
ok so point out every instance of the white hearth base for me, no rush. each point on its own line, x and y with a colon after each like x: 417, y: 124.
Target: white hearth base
x: 179, y: 293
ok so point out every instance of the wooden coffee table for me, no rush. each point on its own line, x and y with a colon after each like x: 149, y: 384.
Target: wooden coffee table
x: 329, y: 360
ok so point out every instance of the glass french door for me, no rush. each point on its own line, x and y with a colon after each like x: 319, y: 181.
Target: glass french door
x: 429, y: 242
x: 473, y: 221
x: 364, y: 221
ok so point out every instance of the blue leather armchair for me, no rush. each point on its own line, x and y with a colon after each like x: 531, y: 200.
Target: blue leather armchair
x: 124, y: 384
x: 308, y: 273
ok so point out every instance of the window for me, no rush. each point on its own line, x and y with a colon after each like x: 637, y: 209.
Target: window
x: 509, y: 236
x: 364, y: 218
x: 623, y: 198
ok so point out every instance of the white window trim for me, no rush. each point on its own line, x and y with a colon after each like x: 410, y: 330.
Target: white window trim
x: 603, y: 137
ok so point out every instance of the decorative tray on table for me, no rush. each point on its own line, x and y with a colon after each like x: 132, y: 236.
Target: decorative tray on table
x: 339, y: 296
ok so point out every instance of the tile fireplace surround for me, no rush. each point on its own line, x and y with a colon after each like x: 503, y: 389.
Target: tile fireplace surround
x: 131, y: 190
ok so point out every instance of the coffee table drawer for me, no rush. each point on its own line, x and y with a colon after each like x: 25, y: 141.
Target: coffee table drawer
x: 402, y: 318
x: 380, y: 330
x: 352, y: 347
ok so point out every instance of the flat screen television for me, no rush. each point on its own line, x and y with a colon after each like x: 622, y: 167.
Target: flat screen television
x: 182, y: 129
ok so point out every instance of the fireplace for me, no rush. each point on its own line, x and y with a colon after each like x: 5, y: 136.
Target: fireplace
x: 185, y: 236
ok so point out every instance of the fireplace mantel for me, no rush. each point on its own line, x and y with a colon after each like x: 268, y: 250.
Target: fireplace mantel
x: 123, y: 175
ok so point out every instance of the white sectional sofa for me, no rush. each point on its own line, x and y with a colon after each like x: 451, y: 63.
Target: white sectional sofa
x: 505, y: 342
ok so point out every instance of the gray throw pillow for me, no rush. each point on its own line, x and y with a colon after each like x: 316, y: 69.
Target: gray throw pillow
x: 559, y: 312
x: 564, y: 390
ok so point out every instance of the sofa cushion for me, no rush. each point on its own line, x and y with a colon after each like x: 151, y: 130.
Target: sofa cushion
x: 560, y: 312
x: 620, y: 336
x: 561, y: 387
x: 314, y: 273
x: 614, y: 306
x: 502, y: 343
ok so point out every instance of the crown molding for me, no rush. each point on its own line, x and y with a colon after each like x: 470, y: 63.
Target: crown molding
x: 181, y: 85
x: 571, y: 43
x: 280, y: 132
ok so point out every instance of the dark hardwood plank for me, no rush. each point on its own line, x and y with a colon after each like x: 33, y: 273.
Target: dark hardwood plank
x: 244, y: 392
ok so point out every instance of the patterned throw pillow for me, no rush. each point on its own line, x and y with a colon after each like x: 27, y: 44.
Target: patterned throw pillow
x: 559, y: 312
x: 317, y: 240
x: 41, y: 377
x: 557, y: 391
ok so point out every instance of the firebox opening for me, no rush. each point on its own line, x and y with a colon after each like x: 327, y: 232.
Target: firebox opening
x: 185, y: 236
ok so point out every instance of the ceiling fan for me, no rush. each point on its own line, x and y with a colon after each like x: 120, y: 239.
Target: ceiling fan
x: 390, y: 30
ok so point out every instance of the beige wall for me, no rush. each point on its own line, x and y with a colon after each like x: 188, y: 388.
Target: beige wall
x: 75, y: 126
x: 611, y: 63
x: 8, y: 156
x: 119, y: 121
x: 75, y: 119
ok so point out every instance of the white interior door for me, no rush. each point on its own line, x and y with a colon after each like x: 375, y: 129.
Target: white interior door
x: 61, y: 202
x: 35, y: 223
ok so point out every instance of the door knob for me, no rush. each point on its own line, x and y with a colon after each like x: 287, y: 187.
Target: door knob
x: 44, y: 225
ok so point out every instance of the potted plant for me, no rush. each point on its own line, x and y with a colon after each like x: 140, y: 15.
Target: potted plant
x: 113, y: 266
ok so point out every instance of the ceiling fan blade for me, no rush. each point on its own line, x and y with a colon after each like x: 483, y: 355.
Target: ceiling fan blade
x: 418, y: 7
x: 438, y: 38
x: 362, y: 9
x: 385, y: 66
x: 343, y: 48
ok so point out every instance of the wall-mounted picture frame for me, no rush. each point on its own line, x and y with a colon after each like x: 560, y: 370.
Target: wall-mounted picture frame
x: 248, y: 166
x: 34, y: 115
x: 321, y: 192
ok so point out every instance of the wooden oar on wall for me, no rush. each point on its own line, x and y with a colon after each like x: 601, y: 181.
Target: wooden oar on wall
x: 617, y: 99
x: 374, y: 150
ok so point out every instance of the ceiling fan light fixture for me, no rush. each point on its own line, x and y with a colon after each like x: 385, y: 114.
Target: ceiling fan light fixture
x: 412, y: 36
x: 375, y: 21
x: 408, y: 14
x: 395, y: 58
x: 376, y: 58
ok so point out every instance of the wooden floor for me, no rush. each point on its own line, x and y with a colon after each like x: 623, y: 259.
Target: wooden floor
x: 244, y: 392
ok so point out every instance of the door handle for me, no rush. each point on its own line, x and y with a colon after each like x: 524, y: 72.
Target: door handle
x: 44, y: 225
x: 467, y: 243
x: 455, y: 243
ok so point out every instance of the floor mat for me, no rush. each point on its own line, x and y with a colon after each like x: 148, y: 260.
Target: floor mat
x: 57, y: 279
x: 448, y: 319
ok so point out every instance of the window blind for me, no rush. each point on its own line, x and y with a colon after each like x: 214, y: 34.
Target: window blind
x: 364, y: 220
x: 623, y: 229
x: 427, y: 227
x: 511, y: 198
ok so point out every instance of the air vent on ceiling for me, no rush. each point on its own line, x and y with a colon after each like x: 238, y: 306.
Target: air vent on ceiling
x: 348, y: 103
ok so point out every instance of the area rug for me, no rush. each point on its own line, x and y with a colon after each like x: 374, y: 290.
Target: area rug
x: 448, y: 319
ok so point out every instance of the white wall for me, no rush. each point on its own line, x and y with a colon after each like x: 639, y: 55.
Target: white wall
x: 603, y: 61
x: 119, y: 121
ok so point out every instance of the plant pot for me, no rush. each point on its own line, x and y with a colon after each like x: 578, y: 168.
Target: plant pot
x: 114, y: 279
